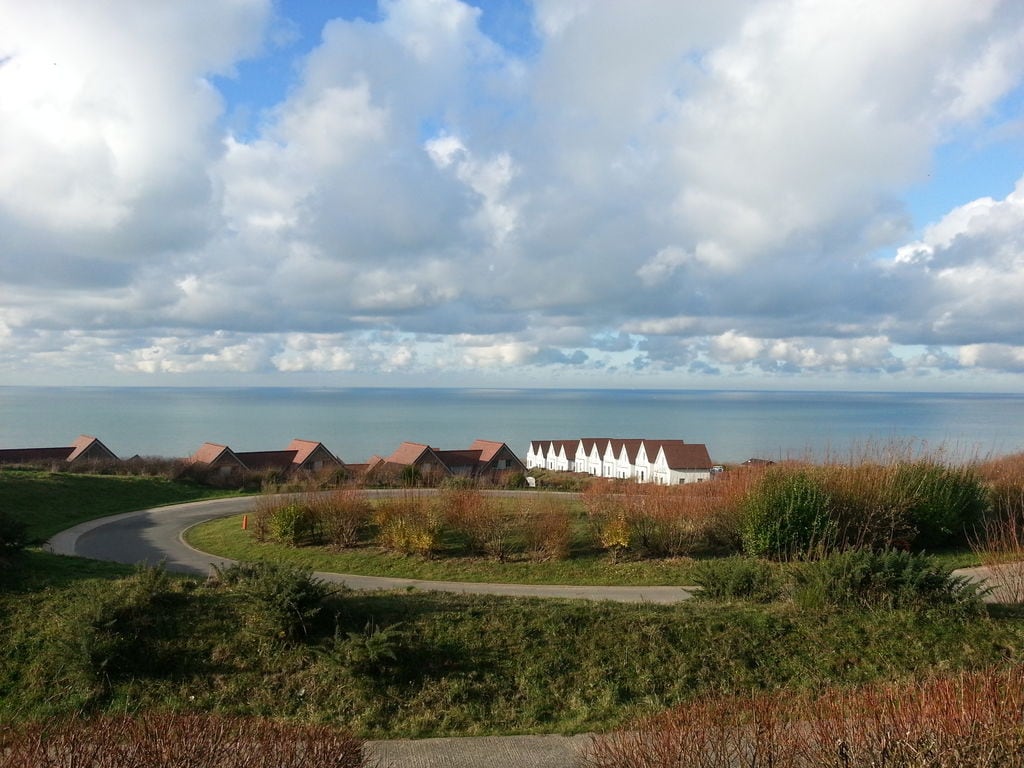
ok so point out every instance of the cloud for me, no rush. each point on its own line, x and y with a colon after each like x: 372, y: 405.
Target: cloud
x: 649, y: 190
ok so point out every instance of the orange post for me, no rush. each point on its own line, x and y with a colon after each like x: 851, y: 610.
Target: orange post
x: 245, y: 522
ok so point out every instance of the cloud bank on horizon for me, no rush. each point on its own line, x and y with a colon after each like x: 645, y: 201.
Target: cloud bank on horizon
x: 556, y: 193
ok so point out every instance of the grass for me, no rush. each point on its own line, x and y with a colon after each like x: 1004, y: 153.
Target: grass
x: 78, y: 637
x: 415, y: 665
x: 226, y: 538
x: 50, y: 502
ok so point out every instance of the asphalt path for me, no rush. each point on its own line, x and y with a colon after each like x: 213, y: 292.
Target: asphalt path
x: 154, y: 536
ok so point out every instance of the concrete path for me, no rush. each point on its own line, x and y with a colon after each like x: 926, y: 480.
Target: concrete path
x: 153, y: 536
x: 478, y: 752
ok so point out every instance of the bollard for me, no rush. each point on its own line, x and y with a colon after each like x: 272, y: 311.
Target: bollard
x: 245, y: 522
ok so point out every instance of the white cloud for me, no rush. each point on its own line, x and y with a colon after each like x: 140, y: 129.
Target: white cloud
x: 656, y: 187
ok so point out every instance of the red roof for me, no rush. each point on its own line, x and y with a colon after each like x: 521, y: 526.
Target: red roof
x: 680, y: 455
x: 260, y: 460
x: 407, y: 453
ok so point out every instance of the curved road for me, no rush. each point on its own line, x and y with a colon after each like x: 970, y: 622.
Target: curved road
x: 152, y: 536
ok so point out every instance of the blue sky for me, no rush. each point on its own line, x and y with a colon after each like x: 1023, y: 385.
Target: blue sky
x: 753, y: 194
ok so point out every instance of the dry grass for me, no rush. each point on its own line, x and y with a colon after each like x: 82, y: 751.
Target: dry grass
x: 669, y: 521
x: 964, y: 721
x: 342, y: 516
x: 176, y: 741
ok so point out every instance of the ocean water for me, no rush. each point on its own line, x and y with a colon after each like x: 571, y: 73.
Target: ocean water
x: 358, y: 423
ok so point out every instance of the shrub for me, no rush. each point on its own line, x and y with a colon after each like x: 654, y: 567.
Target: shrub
x: 114, y: 632
x: 375, y: 648
x: 341, y: 516
x: 482, y: 521
x: 870, y: 505
x: 742, y: 578
x: 964, y: 721
x: 407, y: 525
x: 163, y: 740
x: 786, y: 515
x: 945, y: 503
x: 547, y: 528
x: 294, y: 524
x: 13, y: 534
x: 283, y: 601
x: 891, y: 579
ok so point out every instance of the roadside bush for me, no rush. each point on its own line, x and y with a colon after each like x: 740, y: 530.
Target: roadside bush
x: 483, y: 521
x: 164, y: 740
x: 786, y: 515
x: 891, y: 579
x: 283, y: 602
x: 547, y: 527
x: 871, y: 507
x: 963, y: 721
x: 375, y: 649
x: 944, y: 503
x: 407, y: 525
x: 13, y: 534
x: 341, y: 516
x: 294, y: 524
x: 737, y: 578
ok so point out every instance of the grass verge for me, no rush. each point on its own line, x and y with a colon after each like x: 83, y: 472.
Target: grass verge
x: 226, y: 538
x: 49, y: 502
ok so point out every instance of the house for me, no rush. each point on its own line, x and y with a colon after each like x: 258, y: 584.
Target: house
x: 85, y: 448
x: 482, y: 458
x: 299, y: 456
x: 668, y: 462
x: 678, y: 462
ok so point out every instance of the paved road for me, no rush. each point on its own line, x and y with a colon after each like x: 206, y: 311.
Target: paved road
x: 152, y: 536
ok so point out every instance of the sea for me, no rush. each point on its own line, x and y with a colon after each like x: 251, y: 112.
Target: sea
x: 358, y: 423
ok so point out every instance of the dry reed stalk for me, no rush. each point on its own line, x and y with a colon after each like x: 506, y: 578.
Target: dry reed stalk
x: 971, y: 720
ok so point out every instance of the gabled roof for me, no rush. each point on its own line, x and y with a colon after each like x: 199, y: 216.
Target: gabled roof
x: 304, y: 449
x: 211, y: 453
x: 459, y: 459
x: 631, y: 446
x: 28, y: 455
x: 408, y: 453
x: 488, y: 449
x: 260, y: 460
x: 85, y: 446
x: 88, y: 444
x: 680, y: 455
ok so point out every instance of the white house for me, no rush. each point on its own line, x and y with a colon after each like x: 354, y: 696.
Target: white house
x: 677, y: 463
x: 667, y: 462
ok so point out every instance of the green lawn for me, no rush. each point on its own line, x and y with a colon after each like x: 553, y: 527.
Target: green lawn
x: 50, y: 502
x: 226, y: 538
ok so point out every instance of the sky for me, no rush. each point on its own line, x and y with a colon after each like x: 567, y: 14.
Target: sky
x: 779, y: 194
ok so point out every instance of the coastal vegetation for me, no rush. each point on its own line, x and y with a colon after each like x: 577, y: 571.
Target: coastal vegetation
x: 842, y: 607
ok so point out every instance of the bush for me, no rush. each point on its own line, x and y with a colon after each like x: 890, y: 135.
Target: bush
x: 891, y: 579
x: 13, y: 534
x: 163, y: 740
x: 283, y: 601
x: 547, y: 529
x: 945, y: 503
x: 786, y: 515
x: 294, y: 524
x: 484, y: 522
x: 341, y: 516
x: 964, y: 721
x: 407, y: 525
x: 737, y: 578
